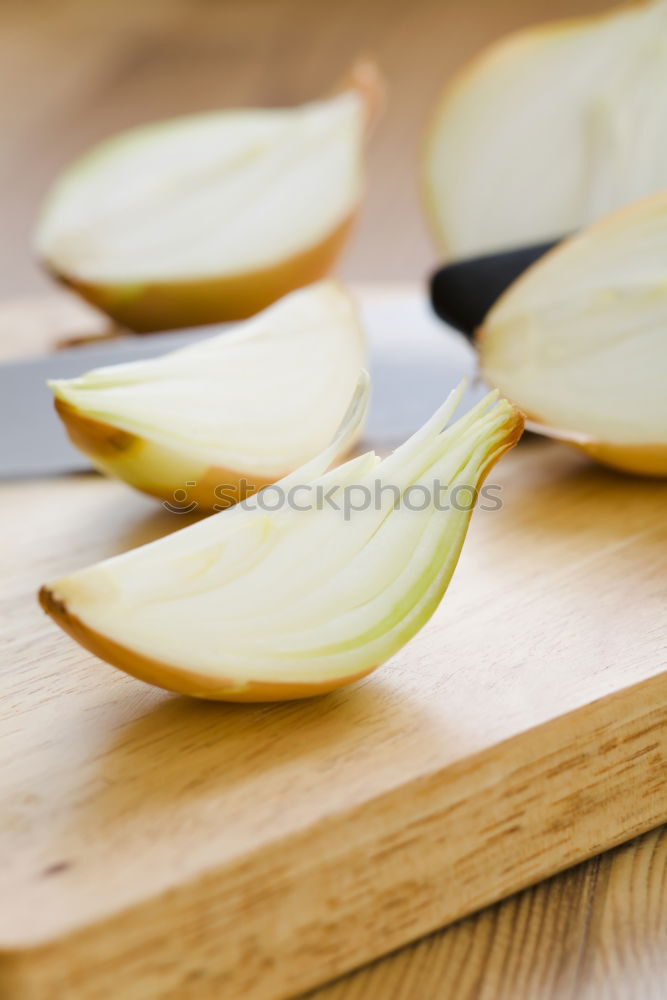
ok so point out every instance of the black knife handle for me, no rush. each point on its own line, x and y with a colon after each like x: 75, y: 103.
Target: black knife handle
x: 463, y: 292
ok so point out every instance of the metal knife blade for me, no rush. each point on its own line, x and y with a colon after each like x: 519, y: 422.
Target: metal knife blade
x: 412, y: 368
x: 33, y: 441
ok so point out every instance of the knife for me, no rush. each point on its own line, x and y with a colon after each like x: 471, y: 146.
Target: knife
x: 34, y: 441
x: 463, y: 292
x: 412, y: 367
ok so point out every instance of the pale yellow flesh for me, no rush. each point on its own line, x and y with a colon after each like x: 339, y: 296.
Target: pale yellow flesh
x: 578, y: 342
x: 212, y: 217
x: 253, y: 402
x: 213, y: 195
x: 548, y: 130
x: 251, y: 599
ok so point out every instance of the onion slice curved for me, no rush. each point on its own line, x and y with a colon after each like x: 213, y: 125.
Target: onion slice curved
x: 212, y: 423
x: 285, y: 600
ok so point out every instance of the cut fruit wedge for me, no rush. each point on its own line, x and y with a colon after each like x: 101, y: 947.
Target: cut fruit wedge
x: 579, y: 342
x: 214, y: 216
x: 548, y: 130
x: 207, y: 425
x: 308, y: 585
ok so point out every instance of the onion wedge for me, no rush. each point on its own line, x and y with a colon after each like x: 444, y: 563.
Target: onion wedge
x: 278, y: 600
x: 579, y: 342
x: 210, y: 424
x: 213, y: 216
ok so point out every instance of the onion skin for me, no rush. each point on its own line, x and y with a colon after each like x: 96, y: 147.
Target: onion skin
x: 173, y: 678
x: 639, y: 459
x: 648, y: 460
x: 95, y: 438
x: 365, y: 77
x: 155, y: 306
x: 121, y: 455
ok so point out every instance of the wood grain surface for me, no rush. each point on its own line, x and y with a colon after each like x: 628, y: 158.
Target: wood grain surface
x: 71, y: 71
x: 596, y: 932
x: 524, y: 729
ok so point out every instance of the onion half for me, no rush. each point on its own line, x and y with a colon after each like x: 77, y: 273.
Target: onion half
x: 579, y: 342
x: 214, y: 216
x: 549, y: 129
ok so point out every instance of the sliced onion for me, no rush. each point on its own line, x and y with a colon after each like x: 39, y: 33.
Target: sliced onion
x: 274, y: 601
x: 550, y: 129
x: 213, y: 216
x: 579, y: 342
x: 209, y: 424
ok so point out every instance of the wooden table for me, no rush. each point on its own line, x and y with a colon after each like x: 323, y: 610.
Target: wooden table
x: 71, y: 72
x: 597, y: 931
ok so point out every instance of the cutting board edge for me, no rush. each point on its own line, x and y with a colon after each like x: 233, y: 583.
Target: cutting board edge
x: 408, y: 863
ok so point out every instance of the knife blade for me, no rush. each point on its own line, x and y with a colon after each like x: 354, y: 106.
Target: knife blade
x: 412, y: 367
x: 34, y: 441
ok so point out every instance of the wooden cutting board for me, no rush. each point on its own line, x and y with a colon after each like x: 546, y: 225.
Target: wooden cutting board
x: 154, y: 846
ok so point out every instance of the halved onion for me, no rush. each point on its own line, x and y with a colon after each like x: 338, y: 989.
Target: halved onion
x: 214, y: 216
x: 579, y: 342
x: 214, y: 422
x: 550, y: 129
x: 300, y: 590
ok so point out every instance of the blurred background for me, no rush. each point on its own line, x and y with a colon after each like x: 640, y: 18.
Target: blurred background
x: 73, y: 71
